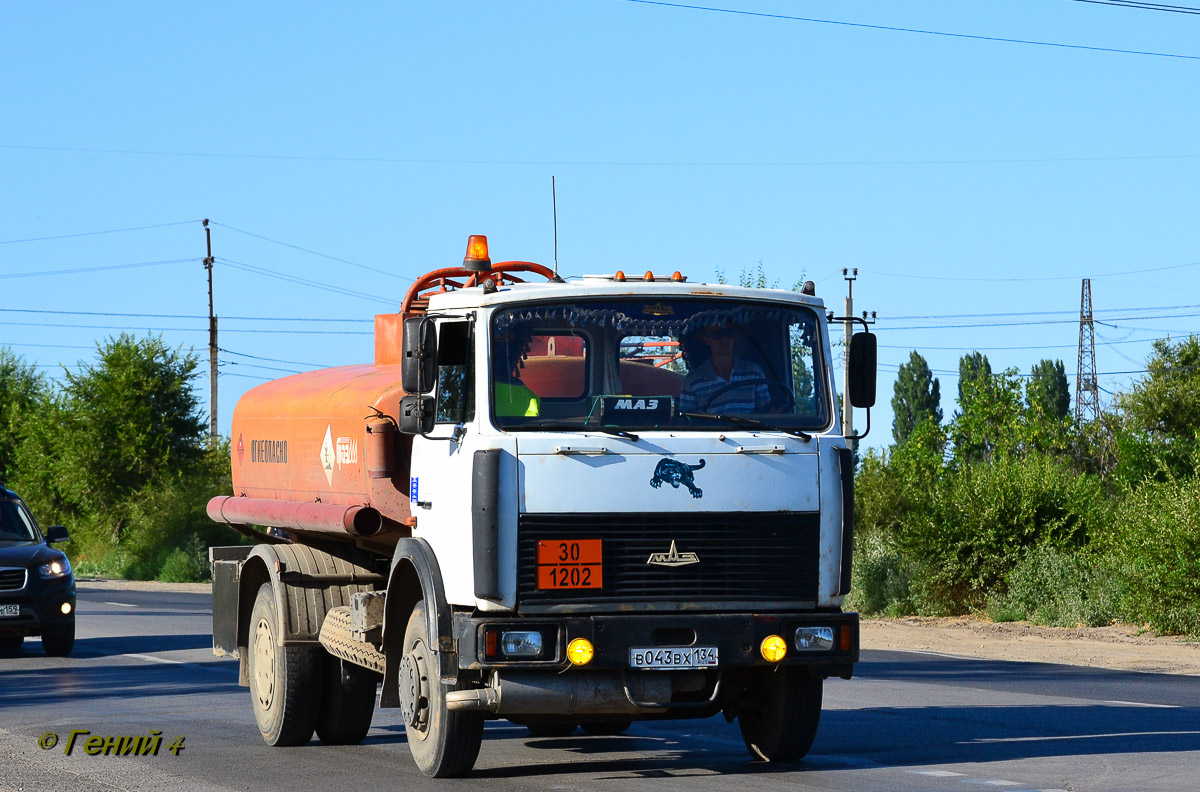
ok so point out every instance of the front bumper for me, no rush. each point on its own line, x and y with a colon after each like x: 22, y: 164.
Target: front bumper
x: 41, y: 604
x: 610, y: 686
x: 737, y: 638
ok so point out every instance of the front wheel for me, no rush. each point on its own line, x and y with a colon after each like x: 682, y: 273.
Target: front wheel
x: 444, y: 744
x: 781, y: 727
x: 12, y: 641
x: 59, y: 641
x: 284, y: 680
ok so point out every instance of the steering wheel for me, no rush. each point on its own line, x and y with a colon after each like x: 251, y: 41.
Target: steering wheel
x: 772, y: 385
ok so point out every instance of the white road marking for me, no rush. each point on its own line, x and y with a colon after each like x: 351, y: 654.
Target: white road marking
x: 1141, y: 704
x: 153, y: 659
x: 998, y: 782
x: 937, y: 773
x: 982, y: 741
x: 120, y: 604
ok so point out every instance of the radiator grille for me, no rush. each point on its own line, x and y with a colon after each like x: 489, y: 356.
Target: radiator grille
x: 759, y: 556
x: 12, y: 579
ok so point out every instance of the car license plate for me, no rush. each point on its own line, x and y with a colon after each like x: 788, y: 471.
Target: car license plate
x: 10, y: 610
x: 673, y: 657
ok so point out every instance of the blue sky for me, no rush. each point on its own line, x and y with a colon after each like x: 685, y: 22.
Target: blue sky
x: 959, y: 175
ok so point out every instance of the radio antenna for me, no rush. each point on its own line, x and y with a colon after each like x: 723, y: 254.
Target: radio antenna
x: 554, y: 205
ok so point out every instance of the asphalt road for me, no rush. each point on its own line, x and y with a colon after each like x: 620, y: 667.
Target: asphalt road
x: 907, y: 721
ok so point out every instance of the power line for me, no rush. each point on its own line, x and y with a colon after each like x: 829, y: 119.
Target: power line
x: 1108, y: 322
x: 609, y: 163
x: 892, y: 28
x: 181, y: 316
x: 1027, y: 280
x: 313, y: 252
x: 1177, y: 9
x: 303, y: 281
x: 273, y: 360
x: 1040, y: 313
x: 186, y: 329
x: 98, y: 269
x: 96, y: 233
x: 1009, y: 348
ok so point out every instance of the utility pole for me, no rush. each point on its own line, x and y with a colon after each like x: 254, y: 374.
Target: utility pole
x: 847, y: 409
x: 1087, y: 391
x: 212, y: 342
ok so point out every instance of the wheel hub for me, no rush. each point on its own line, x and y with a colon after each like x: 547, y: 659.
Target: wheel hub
x: 414, y: 691
x: 264, y: 661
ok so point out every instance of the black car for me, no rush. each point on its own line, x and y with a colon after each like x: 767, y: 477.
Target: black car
x: 37, y: 587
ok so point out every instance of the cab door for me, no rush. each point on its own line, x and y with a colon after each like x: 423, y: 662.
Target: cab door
x: 440, y: 476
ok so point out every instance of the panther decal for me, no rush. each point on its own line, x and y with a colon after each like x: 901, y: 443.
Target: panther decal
x: 675, y: 473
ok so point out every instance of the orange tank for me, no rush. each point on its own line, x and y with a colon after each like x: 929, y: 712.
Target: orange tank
x: 325, y: 437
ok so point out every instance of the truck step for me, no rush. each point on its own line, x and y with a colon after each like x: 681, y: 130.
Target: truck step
x: 337, y: 640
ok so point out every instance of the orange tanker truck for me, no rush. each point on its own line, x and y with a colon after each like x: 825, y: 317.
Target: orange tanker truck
x: 562, y: 503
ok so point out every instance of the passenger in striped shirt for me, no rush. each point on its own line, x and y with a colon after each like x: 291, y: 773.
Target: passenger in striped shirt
x: 703, y: 386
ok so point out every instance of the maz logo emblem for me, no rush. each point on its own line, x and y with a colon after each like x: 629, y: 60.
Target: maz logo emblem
x: 673, y: 558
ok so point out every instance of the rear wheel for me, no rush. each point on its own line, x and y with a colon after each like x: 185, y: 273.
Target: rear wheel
x: 444, y: 744
x: 781, y: 727
x: 12, y: 641
x: 552, y: 729
x: 59, y: 641
x: 607, y: 728
x: 347, y: 702
x: 284, y: 680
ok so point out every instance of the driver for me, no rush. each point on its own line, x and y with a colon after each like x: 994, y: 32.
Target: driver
x: 710, y: 387
x: 514, y: 399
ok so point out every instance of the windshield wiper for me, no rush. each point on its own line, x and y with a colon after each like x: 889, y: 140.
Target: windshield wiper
x: 739, y: 420
x: 611, y: 430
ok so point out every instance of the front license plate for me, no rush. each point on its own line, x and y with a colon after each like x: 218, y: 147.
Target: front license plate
x: 673, y: 657
x: 10, y: 610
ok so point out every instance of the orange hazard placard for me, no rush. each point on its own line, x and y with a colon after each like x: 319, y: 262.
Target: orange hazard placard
x: 570, y: 563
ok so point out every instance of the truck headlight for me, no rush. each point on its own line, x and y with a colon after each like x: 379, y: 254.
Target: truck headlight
x: 521, y: 643
x: 814, y: 639
x: 55, y: 569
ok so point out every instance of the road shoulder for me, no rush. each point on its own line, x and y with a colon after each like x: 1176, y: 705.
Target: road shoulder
x: 1120, y: 647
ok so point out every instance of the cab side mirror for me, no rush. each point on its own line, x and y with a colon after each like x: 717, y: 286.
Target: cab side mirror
x: 863, y: 362
x: 57, y: 533
x: 417, y: 414
x: 418, y: 367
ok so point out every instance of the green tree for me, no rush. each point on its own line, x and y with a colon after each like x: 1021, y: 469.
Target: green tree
x: 916, y: 397
x: 1047, y: 392
x: 991, y: 419
x: 22, y: 391
x: 972, y: 367
x: 1161, y: 426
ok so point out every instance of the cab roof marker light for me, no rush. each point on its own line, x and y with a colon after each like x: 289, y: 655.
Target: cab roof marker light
x: 678, y: 277
x: 620, y: 276
x: 648, y: 277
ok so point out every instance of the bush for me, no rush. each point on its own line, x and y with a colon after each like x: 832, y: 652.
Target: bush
x: 1059, y: 588
x: 1155, y: 541
x: 980, y: 518
x: 879, y: 578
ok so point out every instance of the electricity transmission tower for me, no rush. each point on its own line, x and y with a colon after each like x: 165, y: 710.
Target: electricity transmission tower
x: 1087, y: 391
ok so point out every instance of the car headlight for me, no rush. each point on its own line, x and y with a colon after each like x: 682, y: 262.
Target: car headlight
x: 57, y: 568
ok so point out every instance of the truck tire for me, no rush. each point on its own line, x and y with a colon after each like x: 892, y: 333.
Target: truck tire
x: 551, y: 728
x: 284, y: 680
x: 606, y: 728
x: 347, y: 701
x: 444, y: 744
x: 12, y: 641
x: 781, y: 727
x: 59, y: 641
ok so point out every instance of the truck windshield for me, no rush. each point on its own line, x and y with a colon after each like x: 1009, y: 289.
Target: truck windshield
x: 648, y: 363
